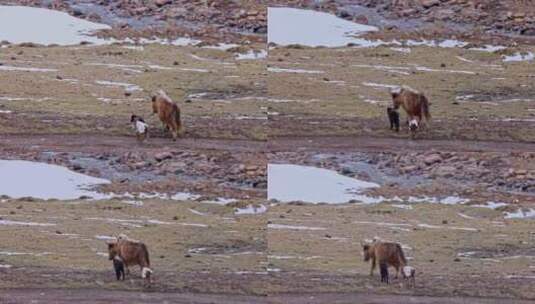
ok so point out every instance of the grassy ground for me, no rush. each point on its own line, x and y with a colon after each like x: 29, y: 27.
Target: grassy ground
x: 68, y: 99
x: 457, y: 250
x: 188, y: 242
x: 344, y: 91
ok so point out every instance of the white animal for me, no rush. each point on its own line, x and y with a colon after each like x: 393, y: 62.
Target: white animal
x: 413, y: 125
x: 409, y: 275
x: 141, y: 127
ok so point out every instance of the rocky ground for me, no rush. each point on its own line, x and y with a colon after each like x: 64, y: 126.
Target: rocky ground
x: 322, y: 107
x: 497, y: 20
x: 90, y: 94
x: 328, y: 109
x: 479, y: 177
x: 208, y: 20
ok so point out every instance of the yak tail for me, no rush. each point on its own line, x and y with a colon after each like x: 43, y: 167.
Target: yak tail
x: 425, y: 107
x: 401, y: 254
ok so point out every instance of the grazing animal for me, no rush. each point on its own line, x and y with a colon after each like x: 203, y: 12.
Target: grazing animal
x: 409, y: 275
x: 131, y: 252
x: 414, y: 103
x: 142, y: 128
x: 168, y: 112
x: 393, y: 117
x: 390, y: 254
x: 383, y: 268
x: 118, y: 265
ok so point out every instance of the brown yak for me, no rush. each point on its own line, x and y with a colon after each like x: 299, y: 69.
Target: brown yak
x: 389, y: 254
x: 414, y: 103
x: 168, y: 112
x: 131, y: 252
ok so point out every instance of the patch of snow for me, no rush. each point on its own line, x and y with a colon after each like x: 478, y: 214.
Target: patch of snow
x: 517, y: 57
x: 126, y: 86
x: 17, y: 223
x: 290, y: 227
x: 298, y: 71
x: 25, y: 69
x: 491, y: 205
x: 401, y: 49
x: 252, y: 55
x: 520, y: 214
x: 250, y: 209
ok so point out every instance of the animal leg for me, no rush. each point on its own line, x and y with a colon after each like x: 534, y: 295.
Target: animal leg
x: 174, y: 130
x: 397, y: 272
x: 373, y: 267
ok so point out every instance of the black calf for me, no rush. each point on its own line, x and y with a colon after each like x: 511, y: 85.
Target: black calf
x: 393, y: 117
x: 384, y: 272
x: 118, y: 265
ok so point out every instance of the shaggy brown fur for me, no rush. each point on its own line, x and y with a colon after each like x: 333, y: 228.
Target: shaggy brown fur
x: 168, y: 112
x: 390, y: 254
x: 414, y: 103
x: 131, y: 253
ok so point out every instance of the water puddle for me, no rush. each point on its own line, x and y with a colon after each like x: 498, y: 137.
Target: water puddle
x: 47, y: 27
x: 288, y: 26
x: 44, y: 181
x: 288, y: 183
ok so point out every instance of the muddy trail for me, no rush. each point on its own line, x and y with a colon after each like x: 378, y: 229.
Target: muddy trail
x: 101, y: 296
x: 378, y: 144
x: 98, y: 143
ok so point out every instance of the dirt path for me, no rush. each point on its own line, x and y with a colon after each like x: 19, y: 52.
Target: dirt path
x: 60, y: 296
x: 95, y: 143
x: 369, y: 144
